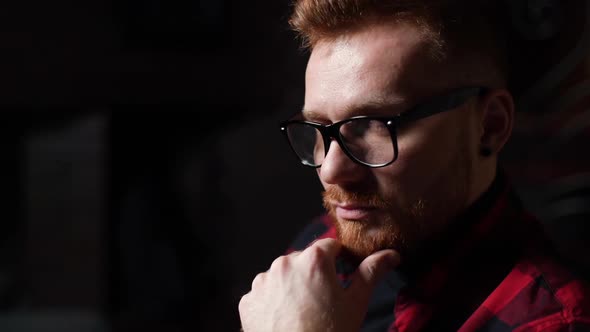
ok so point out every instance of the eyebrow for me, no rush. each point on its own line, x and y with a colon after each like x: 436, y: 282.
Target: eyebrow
x: 372, y: 108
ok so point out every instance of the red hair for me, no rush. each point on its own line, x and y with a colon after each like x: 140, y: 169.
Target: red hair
x: 453, y: 27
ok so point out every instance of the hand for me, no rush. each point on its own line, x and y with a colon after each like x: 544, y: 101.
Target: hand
x: 301, y: 292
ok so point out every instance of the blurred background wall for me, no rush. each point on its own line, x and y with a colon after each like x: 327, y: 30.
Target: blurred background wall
x: 144, y: 179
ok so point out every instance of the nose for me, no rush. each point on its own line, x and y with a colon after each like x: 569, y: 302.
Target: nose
x: 337, y: 168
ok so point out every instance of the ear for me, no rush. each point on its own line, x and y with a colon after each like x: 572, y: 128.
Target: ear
x: 497, y: 119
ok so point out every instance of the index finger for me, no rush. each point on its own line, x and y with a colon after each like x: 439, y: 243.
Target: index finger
x: 321, y: 255
x: 330, y: 247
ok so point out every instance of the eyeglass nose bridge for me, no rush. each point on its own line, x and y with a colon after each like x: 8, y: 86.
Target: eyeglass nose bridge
x: 332, y: 132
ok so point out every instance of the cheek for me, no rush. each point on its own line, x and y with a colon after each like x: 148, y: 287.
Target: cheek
x: 423, y: 154
x: 417, y: 154
x: 422, y: 143
x: 398, y: 182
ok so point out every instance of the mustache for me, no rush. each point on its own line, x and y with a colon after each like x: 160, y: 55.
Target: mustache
x: 334, y: 194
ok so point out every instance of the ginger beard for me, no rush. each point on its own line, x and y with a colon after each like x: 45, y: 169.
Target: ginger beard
x: 405, y: 223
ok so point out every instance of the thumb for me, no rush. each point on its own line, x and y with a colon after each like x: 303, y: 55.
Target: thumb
x: 372, y: 269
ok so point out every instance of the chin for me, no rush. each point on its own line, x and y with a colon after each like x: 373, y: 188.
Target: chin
x: 361, y: 239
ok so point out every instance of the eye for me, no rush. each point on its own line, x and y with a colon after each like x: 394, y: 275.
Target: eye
x: 355, y: 128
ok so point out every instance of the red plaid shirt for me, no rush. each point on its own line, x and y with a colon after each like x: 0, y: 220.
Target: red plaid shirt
x: 493, y: 271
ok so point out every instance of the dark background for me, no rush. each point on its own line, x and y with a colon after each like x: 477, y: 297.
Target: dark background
x: 144, y: 179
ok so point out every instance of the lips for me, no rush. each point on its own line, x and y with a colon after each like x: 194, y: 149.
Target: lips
x: 352, y: 211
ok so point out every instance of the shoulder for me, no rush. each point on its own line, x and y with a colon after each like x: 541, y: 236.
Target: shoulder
x: 319, y: 227
x: 542, y: 293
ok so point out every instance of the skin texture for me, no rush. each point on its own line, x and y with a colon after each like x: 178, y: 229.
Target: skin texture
x: 300, y: 292
x: 432, y: 178
x: 380, y: 70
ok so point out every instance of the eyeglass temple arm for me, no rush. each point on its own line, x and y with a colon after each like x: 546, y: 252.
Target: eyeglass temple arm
x: 440, y: 104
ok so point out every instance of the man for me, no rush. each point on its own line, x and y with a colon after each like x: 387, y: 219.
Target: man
x: 407, y: 106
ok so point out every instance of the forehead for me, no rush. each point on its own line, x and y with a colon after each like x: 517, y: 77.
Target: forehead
x: 380, y: 68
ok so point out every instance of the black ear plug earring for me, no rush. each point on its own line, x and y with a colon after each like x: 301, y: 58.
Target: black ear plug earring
x: 485, y: 151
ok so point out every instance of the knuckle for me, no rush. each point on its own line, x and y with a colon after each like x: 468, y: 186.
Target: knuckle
x: 281, y: 264
x: 258, y: 280
x: 326, y: 242
x: 316, y: 255
x: 243, y: 303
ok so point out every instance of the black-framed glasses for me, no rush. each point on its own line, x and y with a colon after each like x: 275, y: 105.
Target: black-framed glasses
x: 367, y: 140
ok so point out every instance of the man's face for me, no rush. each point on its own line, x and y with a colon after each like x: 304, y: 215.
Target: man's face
x: 384, y: 70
